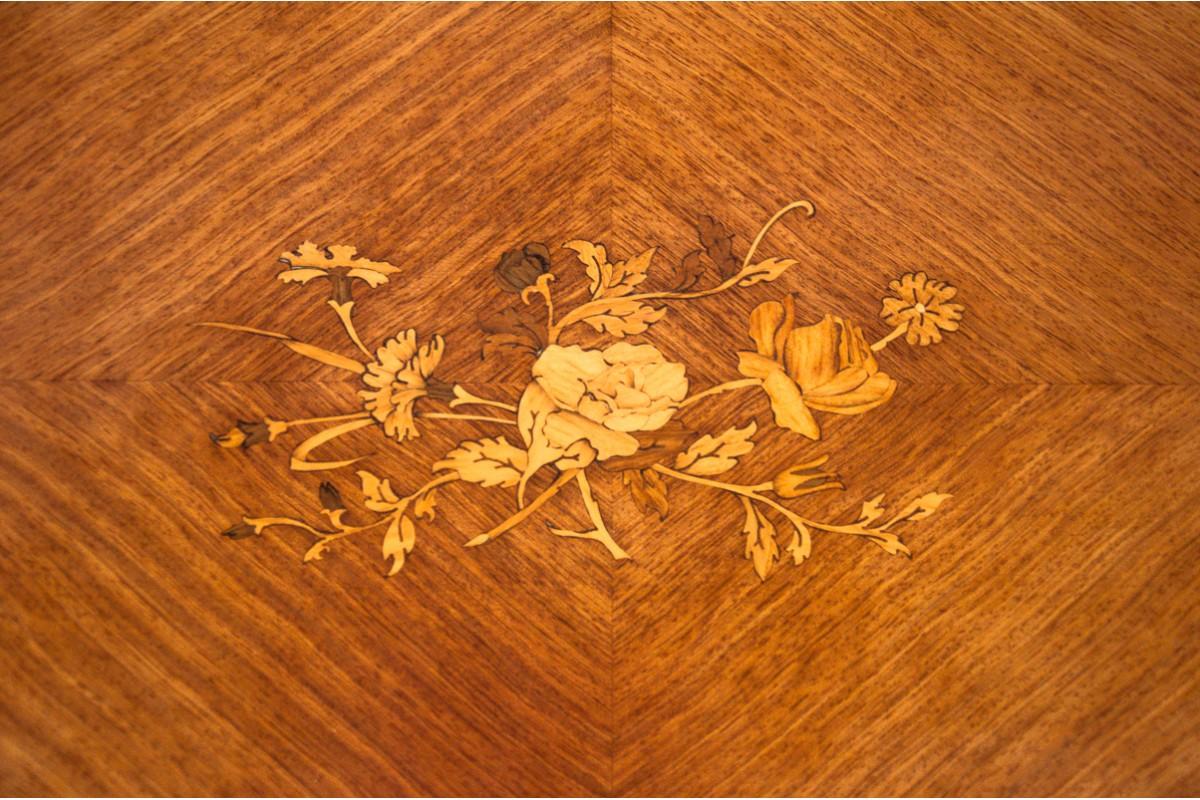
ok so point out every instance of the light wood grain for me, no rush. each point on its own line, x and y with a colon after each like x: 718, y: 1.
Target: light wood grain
x: 1042, y: 640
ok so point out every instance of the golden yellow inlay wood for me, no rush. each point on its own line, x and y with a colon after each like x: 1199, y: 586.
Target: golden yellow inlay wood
x: 617, y: 407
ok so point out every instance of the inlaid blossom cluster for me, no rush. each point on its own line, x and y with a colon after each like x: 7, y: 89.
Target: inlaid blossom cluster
x: 620, y: 406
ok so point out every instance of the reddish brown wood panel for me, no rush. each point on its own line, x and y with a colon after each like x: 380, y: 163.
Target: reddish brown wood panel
x: 1042, y: 640
x: 159, y: 159
x: 1043, y: 157
x: 1044, y: 637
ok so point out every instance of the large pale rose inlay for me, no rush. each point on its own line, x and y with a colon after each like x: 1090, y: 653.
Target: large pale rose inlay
x: 584, y: 405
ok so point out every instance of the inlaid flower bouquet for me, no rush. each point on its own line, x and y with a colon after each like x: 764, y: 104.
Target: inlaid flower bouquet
x: 619, y: 407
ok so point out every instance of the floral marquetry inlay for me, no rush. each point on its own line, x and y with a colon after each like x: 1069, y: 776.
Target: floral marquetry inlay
x: 621, y: 406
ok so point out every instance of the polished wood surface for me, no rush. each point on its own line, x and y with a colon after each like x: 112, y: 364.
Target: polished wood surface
x: 1043, y: 639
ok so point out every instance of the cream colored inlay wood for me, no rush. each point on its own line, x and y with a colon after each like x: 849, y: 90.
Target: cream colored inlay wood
x: 620, y: 407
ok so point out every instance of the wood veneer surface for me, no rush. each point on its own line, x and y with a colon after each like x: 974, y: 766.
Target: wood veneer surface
x: 1044, y: 639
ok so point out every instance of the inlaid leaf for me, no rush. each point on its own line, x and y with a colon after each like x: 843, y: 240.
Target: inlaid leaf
x: 922, y: 507
x: 767, y: 270
x: 398, y: 542
x: 891, y: 544
x: 595, y: 263
x: 512, y: 329
x: 628, y: 274
x: 301, y: 275
x: 577, y: 455
x: 654, y: 447
x: 761, y: 548
x: 712, y: 455
x: 315, y: 552
x: 800, y: 548
x: 718, y: 246
x: 408, y: 534
x: 424, y: 505
x: 609, y: 279
x: 689, y: 271
x: 488, y: 462
x: 533, y: 412
x: 378, y: 493
x: 309, y: 254
x: 495, y: 342
x: 622, y: 318
x: 648, y: 491
x: 871, y: 510
x: 372, y: 277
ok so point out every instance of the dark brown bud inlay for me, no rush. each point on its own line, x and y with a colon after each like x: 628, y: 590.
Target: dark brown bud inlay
x: 520, y: 269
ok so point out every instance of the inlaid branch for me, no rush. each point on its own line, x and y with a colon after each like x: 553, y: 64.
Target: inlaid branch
x: 614, y: 309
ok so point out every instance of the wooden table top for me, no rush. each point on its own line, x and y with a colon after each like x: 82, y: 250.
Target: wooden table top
x: 1044, y: 637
